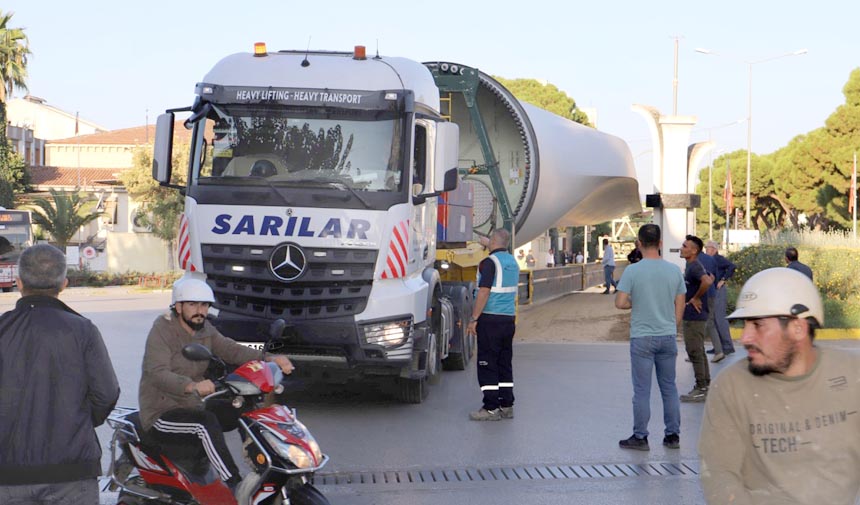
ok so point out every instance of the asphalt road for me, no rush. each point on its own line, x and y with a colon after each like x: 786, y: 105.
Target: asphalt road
x: 573, y: 405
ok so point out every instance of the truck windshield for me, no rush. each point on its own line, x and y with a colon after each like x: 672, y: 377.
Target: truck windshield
x: 300, y: 147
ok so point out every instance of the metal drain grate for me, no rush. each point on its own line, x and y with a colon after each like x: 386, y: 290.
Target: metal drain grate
x: 542, y: 472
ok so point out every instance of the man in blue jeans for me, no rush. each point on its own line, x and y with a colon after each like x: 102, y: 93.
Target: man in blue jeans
x: 654, y: 289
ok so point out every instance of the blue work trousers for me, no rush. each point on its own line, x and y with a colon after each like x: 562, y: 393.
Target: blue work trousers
x: 654, y: 353
x: 721, y: 322
x: 495, y: 361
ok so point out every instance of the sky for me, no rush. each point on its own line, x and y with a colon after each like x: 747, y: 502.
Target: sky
x: 120, y: 64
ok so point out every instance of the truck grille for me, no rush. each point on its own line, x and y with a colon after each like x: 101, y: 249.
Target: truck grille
x: 336, y: 282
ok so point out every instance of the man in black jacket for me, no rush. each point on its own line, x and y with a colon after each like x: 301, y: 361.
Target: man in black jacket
x: 56, y: 385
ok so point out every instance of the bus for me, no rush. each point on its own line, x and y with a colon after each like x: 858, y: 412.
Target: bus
x: 16, y: 234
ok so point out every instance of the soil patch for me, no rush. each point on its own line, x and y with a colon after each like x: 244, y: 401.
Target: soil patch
x: 586, y: 316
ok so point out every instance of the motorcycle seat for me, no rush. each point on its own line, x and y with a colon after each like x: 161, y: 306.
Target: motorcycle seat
x: 198, y: 471
x: 145, y: 440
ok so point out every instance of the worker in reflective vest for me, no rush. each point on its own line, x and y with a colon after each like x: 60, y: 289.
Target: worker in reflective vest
x: 493, y: 322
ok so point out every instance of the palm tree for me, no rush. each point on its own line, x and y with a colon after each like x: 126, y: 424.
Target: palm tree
x: 14, y: 50
x: 62, y: 216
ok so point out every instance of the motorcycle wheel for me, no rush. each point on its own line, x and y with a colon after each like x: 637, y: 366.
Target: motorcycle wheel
x: 307, y: 495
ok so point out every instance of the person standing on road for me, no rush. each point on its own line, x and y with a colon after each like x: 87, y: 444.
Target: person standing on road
x: 171, y: 386
x: 493, y: 321
x: 57, y: 384
x: 608, y: 267
x: 791, y: 258
x: 781, y: 425
x: 531, y: 262
x: 521, y: 259
x: 710, y: 265
x: 636, y: 254
x: 725, y: 271
x: 697, y: 281
x: 654, y: 289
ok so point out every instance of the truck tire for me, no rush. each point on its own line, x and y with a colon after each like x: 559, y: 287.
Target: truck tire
x: 307, y: 495
x: 411, y: 390
x: 434, y: 359
x: 433, y: 366
x: 463, y: 346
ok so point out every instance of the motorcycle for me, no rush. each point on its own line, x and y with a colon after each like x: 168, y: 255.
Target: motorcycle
x: 280, y: 451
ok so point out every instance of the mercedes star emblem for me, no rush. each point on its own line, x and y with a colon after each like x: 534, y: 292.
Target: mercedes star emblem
x: 287, y: 262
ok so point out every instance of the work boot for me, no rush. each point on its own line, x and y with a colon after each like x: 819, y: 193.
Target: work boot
x: 635, y: 443
x: 672, y: 441
x: 485, y: 415
x: 696, y: 395
x: 507, y: 412
x: 718, y: 357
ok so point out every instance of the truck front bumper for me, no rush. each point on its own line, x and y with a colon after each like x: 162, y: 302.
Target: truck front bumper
x: 336, y: 344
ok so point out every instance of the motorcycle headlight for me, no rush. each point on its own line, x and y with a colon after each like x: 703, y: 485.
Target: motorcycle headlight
x: 295, y: 454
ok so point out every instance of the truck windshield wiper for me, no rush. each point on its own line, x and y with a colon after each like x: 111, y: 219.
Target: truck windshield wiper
x: 245, y: 178
x: 341, y: 185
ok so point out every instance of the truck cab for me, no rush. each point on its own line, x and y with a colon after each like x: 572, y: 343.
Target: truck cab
x: 311, y: 197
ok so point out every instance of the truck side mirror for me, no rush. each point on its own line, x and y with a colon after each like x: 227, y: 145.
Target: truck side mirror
x: 446, y: 156
x: 163, y: 152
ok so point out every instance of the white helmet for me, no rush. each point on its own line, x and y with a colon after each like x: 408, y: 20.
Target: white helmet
x: 192, y: 290
x: 779, y: 292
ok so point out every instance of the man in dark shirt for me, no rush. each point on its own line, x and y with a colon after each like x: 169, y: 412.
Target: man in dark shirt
x: 695, y: 316
x: 791, y: 258
x: 710, y: 265
x: 57, y: 385
x: 725, y: 271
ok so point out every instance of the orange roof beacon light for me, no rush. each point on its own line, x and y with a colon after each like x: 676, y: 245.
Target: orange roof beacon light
x: 360, y: 53
x: 260, y: 49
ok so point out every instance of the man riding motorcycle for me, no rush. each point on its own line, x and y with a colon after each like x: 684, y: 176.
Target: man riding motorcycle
x: 171, y: 386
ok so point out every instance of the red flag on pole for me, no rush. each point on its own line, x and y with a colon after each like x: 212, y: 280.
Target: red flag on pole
x: 728, y: 196
x: 76, y: 124
x: 852, y: 195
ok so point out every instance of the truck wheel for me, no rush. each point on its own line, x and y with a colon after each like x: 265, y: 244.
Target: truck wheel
x: 434, y: 361
x: 460, y: 355
x: 434, y: 357
x: 411, y: 390
x: 307, y: 495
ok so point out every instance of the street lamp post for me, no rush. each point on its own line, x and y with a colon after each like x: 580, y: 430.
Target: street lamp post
x: 750, y: 64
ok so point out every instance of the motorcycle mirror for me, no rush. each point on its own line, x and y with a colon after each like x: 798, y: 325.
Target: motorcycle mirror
x: 277, y: 328
x: 275, y: 331
x: 196, y: 352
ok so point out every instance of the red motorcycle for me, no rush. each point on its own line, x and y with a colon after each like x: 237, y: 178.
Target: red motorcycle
x: 282, y: 453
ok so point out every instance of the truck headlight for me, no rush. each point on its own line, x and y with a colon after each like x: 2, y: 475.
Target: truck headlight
x: 388, y: 334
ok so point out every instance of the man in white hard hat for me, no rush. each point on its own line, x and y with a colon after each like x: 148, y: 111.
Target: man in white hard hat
x: 782, y: 425
x: 171, y: 386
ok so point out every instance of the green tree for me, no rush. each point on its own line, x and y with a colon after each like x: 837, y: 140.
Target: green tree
x: 545, y: 96
x: 63, y: 215
x: 14, y: 50
x: 160, y: 207
x: 809, y: 177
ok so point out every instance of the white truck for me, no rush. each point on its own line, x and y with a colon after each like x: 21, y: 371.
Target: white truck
x: 314, y: 195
